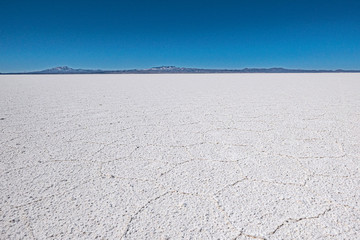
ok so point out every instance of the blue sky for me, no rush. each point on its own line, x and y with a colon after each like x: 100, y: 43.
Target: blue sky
x: 212, y: 34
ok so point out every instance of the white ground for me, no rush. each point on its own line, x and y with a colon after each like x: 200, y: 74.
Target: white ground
x: 268, y: 156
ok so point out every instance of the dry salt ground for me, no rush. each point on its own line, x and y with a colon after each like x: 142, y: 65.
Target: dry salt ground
x: 220, y: 156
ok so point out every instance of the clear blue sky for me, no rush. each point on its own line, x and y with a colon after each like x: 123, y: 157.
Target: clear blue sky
x: 214, y: 34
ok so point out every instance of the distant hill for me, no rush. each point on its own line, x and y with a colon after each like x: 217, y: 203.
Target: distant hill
x: 63, y: 70
x: 174, y: 69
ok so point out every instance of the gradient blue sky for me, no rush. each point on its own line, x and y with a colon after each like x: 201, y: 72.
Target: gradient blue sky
x: 212, y: 34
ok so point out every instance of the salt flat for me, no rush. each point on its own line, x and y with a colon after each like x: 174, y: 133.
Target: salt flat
x: 221, y: 156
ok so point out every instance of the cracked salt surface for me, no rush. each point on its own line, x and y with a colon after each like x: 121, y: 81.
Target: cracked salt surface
x: 221, y: 156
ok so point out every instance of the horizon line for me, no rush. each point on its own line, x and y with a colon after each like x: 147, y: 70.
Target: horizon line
x: 174, y: 69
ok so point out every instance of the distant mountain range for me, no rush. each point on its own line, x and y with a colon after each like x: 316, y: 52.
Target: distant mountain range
x: 173, y: 69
